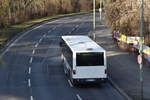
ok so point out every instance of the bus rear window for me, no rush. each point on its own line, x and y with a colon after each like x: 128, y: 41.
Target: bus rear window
x: 90, y: 59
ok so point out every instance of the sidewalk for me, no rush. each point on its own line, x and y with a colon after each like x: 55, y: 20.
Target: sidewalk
x: 122, y: 65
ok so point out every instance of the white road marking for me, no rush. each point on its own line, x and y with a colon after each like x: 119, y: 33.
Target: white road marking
x: 31, y: 60
x: 29, y: 82
x: 78, y: 96
x: 70, y: 83
x: 44, y: 35
x: 77, y: 26
x: 52, y: 29
x: 36, y: 45
x: 31, y: 97
x: 40, y: 40
x: 73, y: 29
x: 29, y: 70
x: 49, y: 31
x: 33, y: 52
x: 7, y: 50
x: 26, y: 33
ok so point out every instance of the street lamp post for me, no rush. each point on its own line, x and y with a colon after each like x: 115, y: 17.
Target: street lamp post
x: 94, y: 18
x: 100, y: 10
x: 141, y: 50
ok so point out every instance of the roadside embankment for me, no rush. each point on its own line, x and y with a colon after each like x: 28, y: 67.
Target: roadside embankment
x: 8, y: 33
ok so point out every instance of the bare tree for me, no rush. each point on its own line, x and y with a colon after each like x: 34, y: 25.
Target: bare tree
x: 16, y: 11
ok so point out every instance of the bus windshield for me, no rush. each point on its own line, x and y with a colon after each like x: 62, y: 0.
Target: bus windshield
x: 90, y: 59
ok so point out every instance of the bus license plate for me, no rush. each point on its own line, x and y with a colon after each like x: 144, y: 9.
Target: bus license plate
x: 90, y: 80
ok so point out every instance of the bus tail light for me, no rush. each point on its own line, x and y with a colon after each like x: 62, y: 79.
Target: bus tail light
x: 105, y: 71
x: 74, y: 71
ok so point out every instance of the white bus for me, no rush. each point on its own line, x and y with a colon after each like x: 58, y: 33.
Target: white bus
x: 83, y: 59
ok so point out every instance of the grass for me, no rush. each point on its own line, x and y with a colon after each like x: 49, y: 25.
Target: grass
x: 8, y: 33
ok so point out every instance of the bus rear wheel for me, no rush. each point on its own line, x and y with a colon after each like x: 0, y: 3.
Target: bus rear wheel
x: 65, y: 71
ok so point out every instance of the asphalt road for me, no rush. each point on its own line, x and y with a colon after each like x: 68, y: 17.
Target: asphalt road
x: 33, y: 68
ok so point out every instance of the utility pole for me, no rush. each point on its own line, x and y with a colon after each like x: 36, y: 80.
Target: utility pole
x: 141, y: 50
x: 100, y: 10
x: 131, y: 4
x: 94, y: 18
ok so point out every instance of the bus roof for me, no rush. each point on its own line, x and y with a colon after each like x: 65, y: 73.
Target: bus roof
x: 80, y: 43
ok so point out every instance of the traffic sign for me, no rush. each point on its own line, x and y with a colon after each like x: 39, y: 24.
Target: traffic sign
x: 139, y: 58
x: 135, y: 43
x: 149, y: 58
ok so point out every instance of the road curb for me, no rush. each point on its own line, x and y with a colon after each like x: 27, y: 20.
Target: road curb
x: 119, y: 90
x: 125, y: 95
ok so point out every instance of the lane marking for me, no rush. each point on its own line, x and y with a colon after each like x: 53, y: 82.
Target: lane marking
x: 7, y: 50
x: 40, y: 40
x: 49, y: 31
x: 36, y: 45
x: 44, y: 35
x: 31, y: 59
x: 33, y: 52
x: 77, y: 26
x: 29, y: 70
x: 29, y: 82
x: 52, y: 29
x: 78, y: 96
x: 31, y: 97
x: 25, y: 33
x: 70, y: 83
x: 74, y: 29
